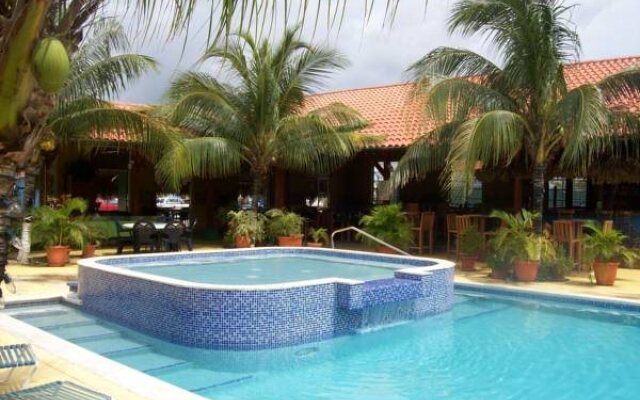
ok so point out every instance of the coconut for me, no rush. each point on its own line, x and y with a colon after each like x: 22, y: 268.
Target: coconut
x: 51, y: 64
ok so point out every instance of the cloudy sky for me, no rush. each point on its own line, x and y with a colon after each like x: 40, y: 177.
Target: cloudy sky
x: 607, y: 28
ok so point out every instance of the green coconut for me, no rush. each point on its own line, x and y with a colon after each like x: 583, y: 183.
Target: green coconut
x: 51, y: 64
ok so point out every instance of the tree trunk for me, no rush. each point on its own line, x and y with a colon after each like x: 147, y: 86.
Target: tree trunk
x: 538, y: 181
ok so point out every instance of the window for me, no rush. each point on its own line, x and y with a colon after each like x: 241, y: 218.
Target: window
x: 579, y: 192
x: 457, y: 196
x: 557, y: 192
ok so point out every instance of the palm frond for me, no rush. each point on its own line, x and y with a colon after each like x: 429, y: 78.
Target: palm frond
x: 207, y: 157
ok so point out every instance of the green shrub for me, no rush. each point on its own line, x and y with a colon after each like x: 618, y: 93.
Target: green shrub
x: 470, y: 241
x: 388, y: 223
x: 284, y: 223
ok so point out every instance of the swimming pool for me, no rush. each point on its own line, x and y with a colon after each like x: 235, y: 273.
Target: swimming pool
x: 486, y: 347
x: 262, y: 297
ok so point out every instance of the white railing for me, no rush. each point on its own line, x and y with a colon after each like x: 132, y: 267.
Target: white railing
x: 370, y: 236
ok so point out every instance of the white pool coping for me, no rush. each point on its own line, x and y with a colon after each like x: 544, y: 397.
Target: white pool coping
x: 95, y: 263
x: 118, y: 374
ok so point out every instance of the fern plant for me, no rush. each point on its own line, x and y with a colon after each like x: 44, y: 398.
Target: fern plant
x: 61, y: 226
x: 388, y: 223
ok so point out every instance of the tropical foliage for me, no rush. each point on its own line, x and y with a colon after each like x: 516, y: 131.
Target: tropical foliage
x: 101, y: 69
x: 258, y: 118
x: 248, y: 224
x: 62, y: 226
x: 606, y: 245
x: 517, y: 238
x: 520, y: 112
x: 388, y: 223
x: 284, y: 223
x: 319, y: 235
x: 470, y: 241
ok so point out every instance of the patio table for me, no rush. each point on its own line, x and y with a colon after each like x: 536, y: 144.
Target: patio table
x: 129, y: 225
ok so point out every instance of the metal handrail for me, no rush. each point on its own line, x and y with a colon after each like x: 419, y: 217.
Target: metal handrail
x: 370, y: 236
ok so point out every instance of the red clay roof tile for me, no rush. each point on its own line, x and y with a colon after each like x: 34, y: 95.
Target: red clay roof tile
x: 392, y: 113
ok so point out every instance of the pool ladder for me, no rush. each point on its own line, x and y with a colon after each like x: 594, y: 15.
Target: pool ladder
x: 370, y: 236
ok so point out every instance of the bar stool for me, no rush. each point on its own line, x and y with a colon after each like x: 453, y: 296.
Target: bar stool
x: 463, y: 222
x: 426, y: 226
x: 451, y: 227
x: 564, y: 232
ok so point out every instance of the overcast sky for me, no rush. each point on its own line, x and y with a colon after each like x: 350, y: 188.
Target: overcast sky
x: 607, y: 28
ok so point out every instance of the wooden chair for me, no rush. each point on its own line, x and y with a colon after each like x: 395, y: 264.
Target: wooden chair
x: 411, y: 208
x: 564, y: 232
x: 425, y: 227
x: 607, y: 225
x: 451, y: 227
x: 566, y: 213
x: 463, y: 222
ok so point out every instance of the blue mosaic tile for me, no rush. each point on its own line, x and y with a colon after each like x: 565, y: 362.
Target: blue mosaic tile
x: 248, y: 319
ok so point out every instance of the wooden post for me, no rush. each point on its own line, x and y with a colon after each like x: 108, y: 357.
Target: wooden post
x: 280, y: 195
x: 517, y: 194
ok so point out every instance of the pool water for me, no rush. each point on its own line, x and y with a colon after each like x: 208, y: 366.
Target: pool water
x: 269, y: 269
x: 485, y: 348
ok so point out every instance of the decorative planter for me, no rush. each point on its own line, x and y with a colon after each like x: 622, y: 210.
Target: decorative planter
x: 527, y: 271
x: 314, y: 244
x: 290, y: 241
x: 385, y: 250
x: 89, y: 250
x: 468, y: 263
x: 243, y: 242
x: 605, y: 272
x: 57, y: 256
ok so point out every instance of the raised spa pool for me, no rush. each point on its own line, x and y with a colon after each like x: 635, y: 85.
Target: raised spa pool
x: 268, y: 269
x: 264, y: 297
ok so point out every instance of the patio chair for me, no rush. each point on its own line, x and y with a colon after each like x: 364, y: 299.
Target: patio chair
x: 425, y: 227
x: 145, y: 234
x: 463, y: 222
x: 564, y: 231
x: 123, y: 237
x: 14, y: 356
x: 58, y: 390
x: 451, y: 230
x: 607, y: 225
x: 187, y: 236
x: 172, y: 236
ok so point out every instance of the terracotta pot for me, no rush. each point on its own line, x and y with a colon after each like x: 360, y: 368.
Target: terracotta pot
x: 605, y: 272
x: 385, y: 250
x: 89, y: 250
x: 468, y: 263
x: 314, y: 244
x: 290, y: 241
x: 242, y: 242
x: 527, y: 271
x: 57, y: 256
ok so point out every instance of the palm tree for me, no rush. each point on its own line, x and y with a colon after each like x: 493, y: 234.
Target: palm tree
x: 82, y: 116
x: 520, y: 114
x: 259, y: 119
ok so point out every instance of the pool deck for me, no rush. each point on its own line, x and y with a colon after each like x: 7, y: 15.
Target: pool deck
x: 40, y: 281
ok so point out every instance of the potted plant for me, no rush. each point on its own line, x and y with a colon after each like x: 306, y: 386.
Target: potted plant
x: 286, y: 227
x: 390, y: 224
x: 246, y: 227
x: 96, y: 231
x: 555, y: 265
x: 517, y: 237
x: 605, y: 249
x: 470, y: 247
x: 319, y: 236
x: 60, y: 228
